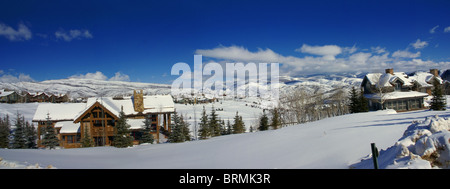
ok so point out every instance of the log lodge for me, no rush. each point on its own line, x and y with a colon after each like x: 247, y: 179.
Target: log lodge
x: 97, y: 117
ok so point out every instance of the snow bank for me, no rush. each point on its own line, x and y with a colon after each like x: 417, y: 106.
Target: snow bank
x: 424, y: 145
x: 15, y: 165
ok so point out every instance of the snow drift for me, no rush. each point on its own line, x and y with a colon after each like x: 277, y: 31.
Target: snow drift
x: 424, y: 145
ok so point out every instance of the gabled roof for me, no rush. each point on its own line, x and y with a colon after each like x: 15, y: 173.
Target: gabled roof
x: 58, y: 112
x: 425, y: 79
x: 105, y: 107
x: 388, y: 80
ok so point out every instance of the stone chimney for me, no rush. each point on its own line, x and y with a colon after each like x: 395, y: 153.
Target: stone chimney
x: 390, y: 71
x: 435, y: 72
x: 138, y: 98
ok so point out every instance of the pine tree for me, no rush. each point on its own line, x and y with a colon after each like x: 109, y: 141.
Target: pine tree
x: 275, y: 122
x: 229, y: 128
x: 263, y: 122
x: 204, y: 129
x: 185, y: 129
x: 147, y: 136
x: 122, y: 138
x: 354, y: 101
x: 50, y: 140
x: 214, y: 124
x: 177, y: 134
x: 5, y: 129
x: 30, y: 135
x: 238, y: 126
x: 87, y: 140
x: 438, y: 101
x: 19, y: 140
x: 363, y: 103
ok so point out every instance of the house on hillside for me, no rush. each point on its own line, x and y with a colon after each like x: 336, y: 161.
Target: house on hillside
x: 97, y: 118
x: 397, y: 90
x: 8, y: 96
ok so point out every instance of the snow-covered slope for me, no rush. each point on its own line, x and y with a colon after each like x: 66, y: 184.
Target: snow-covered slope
x: 329, y: 143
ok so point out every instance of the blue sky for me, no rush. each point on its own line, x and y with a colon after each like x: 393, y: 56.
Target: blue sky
x: 141, y: 40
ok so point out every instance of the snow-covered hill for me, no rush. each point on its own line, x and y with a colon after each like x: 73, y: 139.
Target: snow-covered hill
x: 87, y: 87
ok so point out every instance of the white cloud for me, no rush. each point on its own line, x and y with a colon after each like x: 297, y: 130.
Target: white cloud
x: 22, y: 32
x: 447, y: 29
x: 73, y: 34
x: 419, y: 44
x: 100, y: 76
x: 358, y: 61
x: 433, y: 30
x: 13, y: 79
x: 405, y: 54
x: 96, y: 76
x: 327, y: 51
x: 120, y: 77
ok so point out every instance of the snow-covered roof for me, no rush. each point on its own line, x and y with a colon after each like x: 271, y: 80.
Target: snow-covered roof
x: 397, y: 95
x: 71, y: 111
x: 424, y: 79
x: 58, y: 112
x: 5, y: 93
x: 68, y: 127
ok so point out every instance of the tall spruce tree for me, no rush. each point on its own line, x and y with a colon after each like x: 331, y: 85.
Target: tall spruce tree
x: 30, y: 135
x: 438, y: 101
x: 263, y: 122
x: 147, y: 136
x: 214, y: 123
x: 50, y: 140
x: 5, y: 129
x: 19, y: 139
x: 204, y: 129
x: 363, y: 103
x: 354, y: 101
x: 87, y: 139
x: 238, y: 126
x: 275, y: 121
x: 185, y: 129
x: 122, y: 138
x: 177, y: 134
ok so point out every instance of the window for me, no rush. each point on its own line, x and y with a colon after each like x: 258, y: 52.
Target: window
x: 398, y: 86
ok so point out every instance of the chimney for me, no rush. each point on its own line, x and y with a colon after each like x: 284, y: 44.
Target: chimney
x: 435, y: 72
x: 138, y: 101
x: 390, y: 71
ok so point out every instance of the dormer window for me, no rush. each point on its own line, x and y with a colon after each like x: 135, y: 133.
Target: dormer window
x: 398, y: 86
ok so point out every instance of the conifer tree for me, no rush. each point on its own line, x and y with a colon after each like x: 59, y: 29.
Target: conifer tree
x: 122, y: 138
x: 263, y: 122
x: 354, y: 101
x: 185, y: 129
x: 204, y: 129
x: 363, y: 103
x: 438, y: 101
x: 214, y: 124
x: 229, y: 128
x: 238, y: 126
x: 275, y: 122
x: 30, y: 135
x: 50, y: 140
x: 87, y: 140
x: 5, y: 129
x: 147, y: 136
x: 177, y: 134
x: 19, y: 140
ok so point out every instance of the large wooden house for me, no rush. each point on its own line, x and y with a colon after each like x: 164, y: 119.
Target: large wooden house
x: 397, y: 90
x: 97, y: 118
x: 9, y: 96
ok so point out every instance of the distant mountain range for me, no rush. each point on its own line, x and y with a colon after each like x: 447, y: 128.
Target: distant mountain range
x: 77, y: 88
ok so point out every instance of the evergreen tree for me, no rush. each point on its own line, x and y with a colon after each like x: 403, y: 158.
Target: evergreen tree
x: 263, y: 122
x: 185, y: 129
x: 229, y: 128
x: 30, y: 135
x: 354, y: 101
x: 275, y: 122
x: 363, y: 103
x: 204, y: 129
x: 177, y: 134
x: 5, y: 129
x: 147, y: 136
x: 87, y: 140
x: 238, y: 126
x: 122, y: 138
x: 214, y: 124
x: 19, y: 140
x: 50, y: 140
x: 438, y: 101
